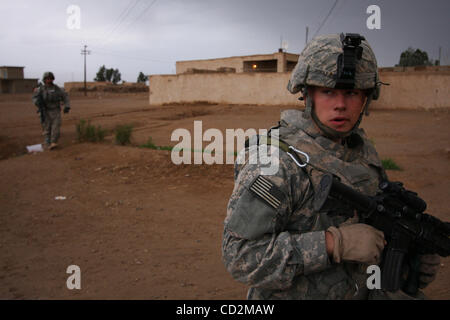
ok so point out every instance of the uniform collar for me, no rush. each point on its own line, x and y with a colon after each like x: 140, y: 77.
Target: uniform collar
x: 294, y: 120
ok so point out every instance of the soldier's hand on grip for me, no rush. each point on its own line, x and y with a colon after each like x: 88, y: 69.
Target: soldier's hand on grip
x: 358, y: 243
x: 429, y: 267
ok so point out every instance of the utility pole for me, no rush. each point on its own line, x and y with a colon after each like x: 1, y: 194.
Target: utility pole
x: 85, y: 52
x: 306, y: 39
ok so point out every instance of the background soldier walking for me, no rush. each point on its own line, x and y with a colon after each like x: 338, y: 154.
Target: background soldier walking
x: 48, y: 98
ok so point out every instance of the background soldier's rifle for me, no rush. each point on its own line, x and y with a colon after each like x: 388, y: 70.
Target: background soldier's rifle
x: 40, y: 104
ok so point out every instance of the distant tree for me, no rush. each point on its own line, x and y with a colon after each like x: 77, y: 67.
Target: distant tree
x: 101, y: 74
x: 411, y: 57
x: 141, y: 78
x: 111, y: 75
x: 116, y: 76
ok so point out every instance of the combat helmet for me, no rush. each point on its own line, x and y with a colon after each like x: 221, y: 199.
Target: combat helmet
x: 341, y: 61
x: 48, y: 74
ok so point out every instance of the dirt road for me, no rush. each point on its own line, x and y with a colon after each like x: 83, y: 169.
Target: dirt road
x: 140, y: 227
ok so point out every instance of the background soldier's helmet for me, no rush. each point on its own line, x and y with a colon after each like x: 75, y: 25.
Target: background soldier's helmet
x: 323, y: 63
x: 48, y: 74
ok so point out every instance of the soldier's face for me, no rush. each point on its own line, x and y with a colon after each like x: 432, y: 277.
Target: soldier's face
x: 48, y: 81
x: 338, y: 109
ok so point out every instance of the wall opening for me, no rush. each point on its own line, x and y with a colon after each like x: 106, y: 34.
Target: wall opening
x: 290, y: 65
x: 260, y: 66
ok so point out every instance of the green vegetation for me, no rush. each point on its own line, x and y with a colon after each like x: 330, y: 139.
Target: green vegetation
x: 87, y: 132
x: 123, y: 134
x: 390, y: 164
x: 141, y: 78
x: 150, y: 145
x: 415, y: 57
x: 111, y: 75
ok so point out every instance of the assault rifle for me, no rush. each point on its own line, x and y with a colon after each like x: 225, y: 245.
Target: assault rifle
x: 409, y: 231
x: 40, y: 104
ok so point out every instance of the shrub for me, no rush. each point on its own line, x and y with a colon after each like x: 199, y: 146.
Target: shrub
x: 87, y: 132
x: 123, y: 134
x: 390, y: 164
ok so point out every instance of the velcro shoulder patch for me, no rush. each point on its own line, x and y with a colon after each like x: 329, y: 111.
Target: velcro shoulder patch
x: 267, y: 191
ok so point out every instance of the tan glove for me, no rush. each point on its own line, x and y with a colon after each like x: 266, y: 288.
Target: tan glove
x: 357, y: 242
x: 429, y: 266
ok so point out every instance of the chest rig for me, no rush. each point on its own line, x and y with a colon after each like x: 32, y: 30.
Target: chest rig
x: 52, y: 96
x: 355, y: 164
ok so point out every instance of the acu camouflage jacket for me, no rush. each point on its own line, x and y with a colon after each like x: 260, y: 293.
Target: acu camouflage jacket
x: 52, y: 95
x: 274, y: 240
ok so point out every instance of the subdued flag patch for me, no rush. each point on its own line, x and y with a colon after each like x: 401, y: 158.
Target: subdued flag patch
x: 267, y: 191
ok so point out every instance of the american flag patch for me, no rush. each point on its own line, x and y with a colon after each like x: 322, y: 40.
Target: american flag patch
x: 267, y: 191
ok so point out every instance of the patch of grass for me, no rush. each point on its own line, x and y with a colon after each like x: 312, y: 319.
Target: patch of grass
x: 123, y: 134
x: 87, y: 132
x: 390, y: 164
x: 150, y: 145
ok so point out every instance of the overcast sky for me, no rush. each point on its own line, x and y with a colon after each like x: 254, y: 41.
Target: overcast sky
x: 150, y: 35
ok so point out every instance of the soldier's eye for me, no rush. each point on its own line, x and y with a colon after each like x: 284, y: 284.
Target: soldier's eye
x: 327, y: 92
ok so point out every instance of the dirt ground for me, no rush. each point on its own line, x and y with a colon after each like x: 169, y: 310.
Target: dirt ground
x: 140, y: 227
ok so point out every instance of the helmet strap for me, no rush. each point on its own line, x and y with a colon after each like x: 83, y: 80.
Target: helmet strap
x: 308, y: 104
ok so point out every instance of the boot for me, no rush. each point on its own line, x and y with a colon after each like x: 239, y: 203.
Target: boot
x: 53, y: 145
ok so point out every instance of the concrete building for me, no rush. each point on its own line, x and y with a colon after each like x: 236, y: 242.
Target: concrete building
x: 12, y: 80
x: 262, y: 80
x: 276, y: 62
x: 259, y: 79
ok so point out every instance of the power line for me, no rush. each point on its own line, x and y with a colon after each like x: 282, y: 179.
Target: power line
x: 136, y: 19
x: 117, y: 20
x: 142, y: 14
x: 108, y: 31
x: 326, y: 18
x: 120, y: 20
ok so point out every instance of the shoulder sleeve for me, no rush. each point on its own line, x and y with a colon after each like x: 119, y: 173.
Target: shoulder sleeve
x: 258, y: 248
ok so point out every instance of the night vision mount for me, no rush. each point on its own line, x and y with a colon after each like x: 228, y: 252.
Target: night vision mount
x: 346, y: 62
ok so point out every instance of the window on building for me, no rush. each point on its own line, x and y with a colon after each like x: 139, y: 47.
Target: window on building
x: 290, y: 65
x: 260, y: 66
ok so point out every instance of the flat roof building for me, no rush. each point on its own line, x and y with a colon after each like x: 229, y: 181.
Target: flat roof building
x: 12, y: 80
x: 276, y: 62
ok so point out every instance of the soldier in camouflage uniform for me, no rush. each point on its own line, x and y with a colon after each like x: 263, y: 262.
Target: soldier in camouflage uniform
x: 275, y: 240
x: 51, y: 96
